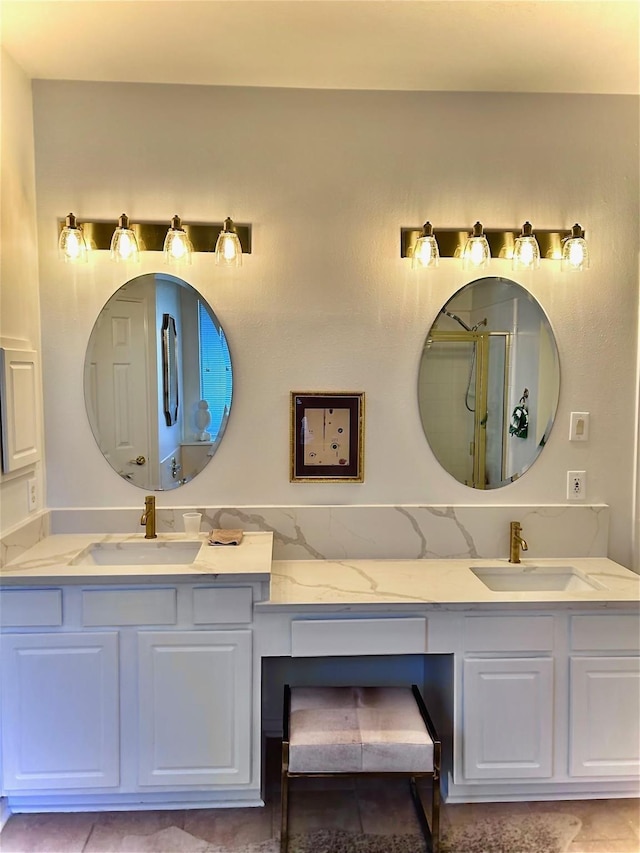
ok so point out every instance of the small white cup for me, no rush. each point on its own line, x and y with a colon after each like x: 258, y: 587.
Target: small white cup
x: 192, y: 523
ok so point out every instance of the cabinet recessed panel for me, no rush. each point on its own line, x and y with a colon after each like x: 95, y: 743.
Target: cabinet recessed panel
x: 605, y: 716
x: 220, y: 605
x: 602, y: 633
x: 33, y: 608
x: 508, y: 718
x: 19, y: 408
x: 195, y: 708
x: 389, y: 635
x: 60, y: 711
x: 101, y: 607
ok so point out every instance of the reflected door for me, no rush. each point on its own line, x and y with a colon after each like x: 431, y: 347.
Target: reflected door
x: 118, y: 394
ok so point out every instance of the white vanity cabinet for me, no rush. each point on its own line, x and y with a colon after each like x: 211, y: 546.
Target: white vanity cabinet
x: 60, y: 711
x: 604, y: 696
x: 139, y: 694
x: 143, y: 694
x: 547, y: 702
x: 507, y: 697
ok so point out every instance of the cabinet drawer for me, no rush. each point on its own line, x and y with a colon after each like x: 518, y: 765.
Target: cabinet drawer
x: 313, y: 638
x: 33, y: 608
x: 129, y: 607
x: 221, y: 605
x: 508, y: 633
x: 595, y: 633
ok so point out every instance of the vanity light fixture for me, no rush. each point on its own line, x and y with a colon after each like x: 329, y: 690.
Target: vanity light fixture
x: 124, y: 243
x: 526, y: 251
x: 520, y: 246
x: 426, y: 254
x: 575, y: 252
x: 477, y: 253
x: 178, y: 243
x: 177, y: 246
x: 72, y: 245
x: 228, y: 249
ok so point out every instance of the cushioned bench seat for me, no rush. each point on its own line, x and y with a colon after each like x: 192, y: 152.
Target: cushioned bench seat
x: 330, y: 731
x: 356, y: 730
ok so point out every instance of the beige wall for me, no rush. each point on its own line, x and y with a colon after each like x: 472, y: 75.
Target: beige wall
x: 325, y: 302
x: 19, y: 293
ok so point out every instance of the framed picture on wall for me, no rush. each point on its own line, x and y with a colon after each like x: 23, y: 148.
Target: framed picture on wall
x: 327, y: 437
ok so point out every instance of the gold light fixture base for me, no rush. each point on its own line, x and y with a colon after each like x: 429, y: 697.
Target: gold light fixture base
x: 150, y: 235
x: 451, y: 241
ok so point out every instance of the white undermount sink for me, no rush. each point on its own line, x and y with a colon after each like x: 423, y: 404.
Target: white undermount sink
x: 147, y: 553
x: 535, y: 579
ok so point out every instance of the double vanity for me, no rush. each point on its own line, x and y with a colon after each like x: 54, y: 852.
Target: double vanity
x: 146, y: 673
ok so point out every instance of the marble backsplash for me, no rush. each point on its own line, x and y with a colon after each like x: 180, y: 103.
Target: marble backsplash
x: 365, y: 532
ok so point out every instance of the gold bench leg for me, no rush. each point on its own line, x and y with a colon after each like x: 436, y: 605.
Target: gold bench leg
x: 284, y: 801
x: 431, y: 833
x: 435, y: 815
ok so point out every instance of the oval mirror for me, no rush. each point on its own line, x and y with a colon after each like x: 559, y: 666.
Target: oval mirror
x: 157, y: 382
x: 488, y: 383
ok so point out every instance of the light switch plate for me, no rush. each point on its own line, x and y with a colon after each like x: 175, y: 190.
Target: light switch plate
x: 579, y: 426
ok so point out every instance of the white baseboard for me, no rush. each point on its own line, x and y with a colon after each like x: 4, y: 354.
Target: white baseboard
x: 5, y: 811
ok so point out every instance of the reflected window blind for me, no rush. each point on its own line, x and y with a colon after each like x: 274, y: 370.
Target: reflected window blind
x: 215, y: 369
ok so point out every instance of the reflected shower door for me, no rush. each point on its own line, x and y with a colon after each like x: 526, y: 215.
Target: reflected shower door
x: 450, y: 392
x: 497, y: 416
x: 462, y: 398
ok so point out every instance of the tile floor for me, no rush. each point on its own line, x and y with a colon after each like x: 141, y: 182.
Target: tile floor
x: 370, y: 806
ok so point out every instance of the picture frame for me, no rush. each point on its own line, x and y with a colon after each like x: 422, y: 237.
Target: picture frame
x: 169, y: 369
x: 327, y: 437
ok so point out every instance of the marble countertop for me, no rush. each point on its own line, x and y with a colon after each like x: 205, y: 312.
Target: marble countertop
x: 326, y: 585
x: 343, y: 585
x: 56, y: 559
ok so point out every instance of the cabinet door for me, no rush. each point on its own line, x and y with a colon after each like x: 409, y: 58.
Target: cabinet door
x: 195, y: 716
x: 508, y: 718
x: 60, y: 707
x: 605, y: 716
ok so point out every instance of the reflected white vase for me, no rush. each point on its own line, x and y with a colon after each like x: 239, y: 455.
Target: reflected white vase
x: 203, y: 419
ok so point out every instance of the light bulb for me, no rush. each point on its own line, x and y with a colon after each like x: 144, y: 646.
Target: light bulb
x: 526, y: 252
x: 575, y: 252
x: 228, y: 249
x: 124, y: 244
x: 425, y: 252
x: 477, y: 253
x: 177, y: 246
x: 72, y: 246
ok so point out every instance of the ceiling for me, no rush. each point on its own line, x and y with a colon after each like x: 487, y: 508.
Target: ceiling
x: 577, y: 46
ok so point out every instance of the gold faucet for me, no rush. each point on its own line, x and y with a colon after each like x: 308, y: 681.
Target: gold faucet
x: 148, y: 517
x: 516, y: 542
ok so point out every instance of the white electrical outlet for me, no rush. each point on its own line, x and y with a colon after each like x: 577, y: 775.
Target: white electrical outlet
x: 576, y: 485
x: 32, y: 494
